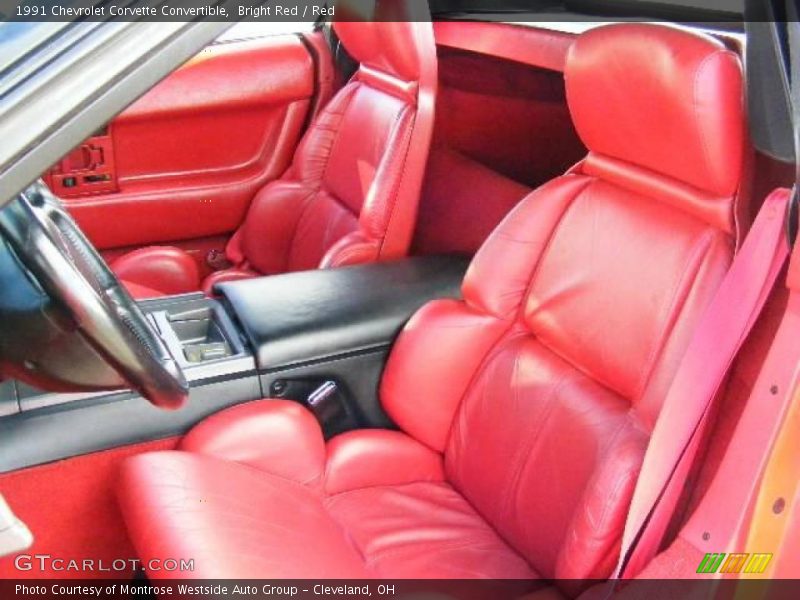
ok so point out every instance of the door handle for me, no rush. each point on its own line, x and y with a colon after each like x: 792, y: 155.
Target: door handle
x: 88, y: 169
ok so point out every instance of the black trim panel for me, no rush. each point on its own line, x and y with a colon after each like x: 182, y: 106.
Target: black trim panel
x: 358, y: 376
x: 100, y: 423
x: 311, y: 315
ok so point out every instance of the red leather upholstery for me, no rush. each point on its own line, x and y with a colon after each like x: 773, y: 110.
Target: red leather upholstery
x: 694, y: 134
x: 236, y: 434
x: 231, y: 274
x: 351, y: 193
x: 273, y: 516
x: 525, y: 409
x: 164, y: 268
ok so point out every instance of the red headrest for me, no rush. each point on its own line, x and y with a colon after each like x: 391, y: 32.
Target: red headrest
x: 383, y: 34
x: 660, y: 98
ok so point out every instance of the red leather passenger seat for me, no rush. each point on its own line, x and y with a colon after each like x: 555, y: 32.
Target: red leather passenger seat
x: 524, y: 410
x: 352, y: 191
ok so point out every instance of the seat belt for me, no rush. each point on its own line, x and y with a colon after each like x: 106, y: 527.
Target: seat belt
x: 722, y: 521
x: 719, y: 336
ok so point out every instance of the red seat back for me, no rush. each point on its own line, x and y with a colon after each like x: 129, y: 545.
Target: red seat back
x: 352, y: 191
x: 542, y: 386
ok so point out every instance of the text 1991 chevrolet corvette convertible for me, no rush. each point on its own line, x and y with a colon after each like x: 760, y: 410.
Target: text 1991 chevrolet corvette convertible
x: 422, y: 300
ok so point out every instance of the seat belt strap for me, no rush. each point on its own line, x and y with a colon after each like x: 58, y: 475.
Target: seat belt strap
x: 720, y: 334
x: 720, y: 523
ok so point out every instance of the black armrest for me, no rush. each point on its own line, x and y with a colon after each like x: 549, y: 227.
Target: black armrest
x: 311, y: 315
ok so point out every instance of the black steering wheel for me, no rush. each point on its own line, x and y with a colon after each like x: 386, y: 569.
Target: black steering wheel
x: 49, y: 246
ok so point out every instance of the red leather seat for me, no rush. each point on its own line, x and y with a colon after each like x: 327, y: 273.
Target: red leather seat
x: 524, y: 410
x: 351, y: 193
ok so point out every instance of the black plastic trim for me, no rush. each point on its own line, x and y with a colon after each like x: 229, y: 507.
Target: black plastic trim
x: 358, y: 376
x: 309, y: 316
x: 99, y: 423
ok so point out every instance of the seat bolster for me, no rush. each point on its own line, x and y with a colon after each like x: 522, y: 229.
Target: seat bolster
x: 279, y: 437
x: 165, y: 269
x: 268, y: 232
x: 444, y: 336
x: 233, y: 521
x: 361, y: 458
x: 232, y: 274
x: 353, y: 249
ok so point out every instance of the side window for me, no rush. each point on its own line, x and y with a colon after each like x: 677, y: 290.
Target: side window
x: 247, y: 30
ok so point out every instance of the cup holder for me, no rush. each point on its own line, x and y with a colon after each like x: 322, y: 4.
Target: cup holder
x: 198, y: 331
x: 202, y: 339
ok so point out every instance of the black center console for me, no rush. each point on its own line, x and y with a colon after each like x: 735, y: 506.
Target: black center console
x: 322, y: 337
x: 318, y: 337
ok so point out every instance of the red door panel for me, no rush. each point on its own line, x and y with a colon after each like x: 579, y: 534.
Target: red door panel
x: 183, y: 162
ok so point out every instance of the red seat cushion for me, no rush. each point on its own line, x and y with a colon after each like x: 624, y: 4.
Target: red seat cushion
x: 156, y: 271
x: 424, y: 530
x: 525, y: 408
x: 352, y: 191
x: 222, y: 515
x: 217, y: 501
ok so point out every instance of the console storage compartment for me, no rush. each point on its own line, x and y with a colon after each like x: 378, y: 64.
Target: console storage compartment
x: 197, y: 331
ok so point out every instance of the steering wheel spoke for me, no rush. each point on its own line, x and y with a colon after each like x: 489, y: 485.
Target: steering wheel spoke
x: 69, y: 269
